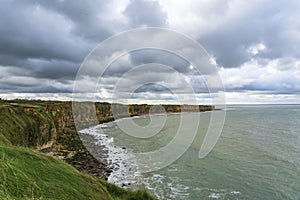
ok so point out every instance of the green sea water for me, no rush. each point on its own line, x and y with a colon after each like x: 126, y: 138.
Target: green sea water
x: 256, y: 157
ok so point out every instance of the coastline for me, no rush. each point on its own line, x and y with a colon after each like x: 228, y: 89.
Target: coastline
x: 49, y: 127
x: 45, y: 132
x: 112, y: 156
x: 118, y: 160
x: 125, y: 174
x: 69, y: 147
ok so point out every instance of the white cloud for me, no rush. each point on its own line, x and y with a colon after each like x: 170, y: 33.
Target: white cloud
x: 255, y: 44
x: 266, y: 77
x: 251, y: 97
x: 195, y: 18
x: 256, y: 48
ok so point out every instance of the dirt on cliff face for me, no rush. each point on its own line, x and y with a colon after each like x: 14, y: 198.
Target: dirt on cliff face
x: 49, y: 127
x: 70, y: 148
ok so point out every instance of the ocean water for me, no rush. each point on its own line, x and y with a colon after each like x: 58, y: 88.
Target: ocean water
x: 256, y: 157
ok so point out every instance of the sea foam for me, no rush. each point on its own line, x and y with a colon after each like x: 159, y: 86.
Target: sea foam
x: 119, y: 159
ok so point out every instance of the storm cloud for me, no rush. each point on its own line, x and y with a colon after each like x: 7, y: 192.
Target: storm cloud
x: 254, y: 44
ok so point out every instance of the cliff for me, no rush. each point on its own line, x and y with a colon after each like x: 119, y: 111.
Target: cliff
x: 49, y: 127
x: 33, y: 124
x: 39, y: 124
x: 26, y: 173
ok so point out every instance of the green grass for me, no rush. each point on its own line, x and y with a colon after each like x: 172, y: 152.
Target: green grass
x: 28, y: 174
x: 18, y: 127
x: 3, y: 140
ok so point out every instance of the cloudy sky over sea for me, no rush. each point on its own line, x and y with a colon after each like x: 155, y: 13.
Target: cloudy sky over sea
x: 255, y: 45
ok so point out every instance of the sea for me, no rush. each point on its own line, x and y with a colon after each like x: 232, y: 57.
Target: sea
x: 257, y: 155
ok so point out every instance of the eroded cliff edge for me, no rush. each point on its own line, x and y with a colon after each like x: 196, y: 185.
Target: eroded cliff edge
x: 49, y: 127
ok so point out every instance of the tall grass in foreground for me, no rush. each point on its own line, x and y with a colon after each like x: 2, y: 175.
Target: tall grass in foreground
x: 28, y: 174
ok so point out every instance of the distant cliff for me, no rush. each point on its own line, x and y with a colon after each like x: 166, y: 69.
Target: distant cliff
x: 38, y: 123
x: 49, y: 126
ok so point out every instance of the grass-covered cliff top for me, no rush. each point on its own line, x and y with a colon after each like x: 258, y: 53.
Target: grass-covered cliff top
x: 38, y: 123
x: 48, y: 126
x: 28, y: 174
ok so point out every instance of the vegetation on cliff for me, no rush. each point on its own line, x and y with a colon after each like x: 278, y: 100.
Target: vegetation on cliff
x: 28, y: 174
x: 48, y: 126
x: 41, y: 121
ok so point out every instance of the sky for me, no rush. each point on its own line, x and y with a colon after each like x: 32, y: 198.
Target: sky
x: 254, y: 45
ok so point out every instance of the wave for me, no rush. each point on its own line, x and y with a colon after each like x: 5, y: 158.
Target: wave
x: 119, y: 159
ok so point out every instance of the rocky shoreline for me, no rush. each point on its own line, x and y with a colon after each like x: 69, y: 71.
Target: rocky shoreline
x: 69, y: 147
x: 49, y: 127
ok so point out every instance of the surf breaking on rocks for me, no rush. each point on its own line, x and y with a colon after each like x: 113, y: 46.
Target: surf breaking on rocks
x: 119, y: 160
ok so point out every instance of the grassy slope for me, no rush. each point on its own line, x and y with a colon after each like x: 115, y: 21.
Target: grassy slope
x: 28, y: 128
x: 28, y: 174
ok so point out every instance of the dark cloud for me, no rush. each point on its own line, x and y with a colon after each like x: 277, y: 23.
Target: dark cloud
x: 48, y: 89
x: 53, y: 69
x: 153, y: 87
x: 31, y: 31
x: 36, y: 42
x: 146, y: 56
x: 90, y: 19
x: 159, y: 56
x: 42, y: 43
x: 146, y: 13
x: 269, y: 22
x: 227, y: 51
x: 40, y: 68
x: 49, y: 39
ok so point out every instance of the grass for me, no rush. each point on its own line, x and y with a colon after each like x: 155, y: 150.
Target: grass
x: 3, y: 140
x: 28, y: 174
